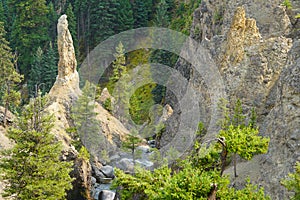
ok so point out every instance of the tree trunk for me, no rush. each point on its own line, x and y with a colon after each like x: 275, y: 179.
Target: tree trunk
x: 234, y: 165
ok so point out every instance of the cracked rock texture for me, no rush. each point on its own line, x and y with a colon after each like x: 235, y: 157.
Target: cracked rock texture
x: 255, y: 46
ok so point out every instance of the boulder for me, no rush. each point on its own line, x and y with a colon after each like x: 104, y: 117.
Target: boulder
x: 108, y: 171
x: 107, y: 195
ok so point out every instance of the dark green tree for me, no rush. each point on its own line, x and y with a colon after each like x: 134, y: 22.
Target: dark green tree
x: 2, y: 14
x: 32, y: 168
x: 43, y: 71
x: 50, y: 60
x: 124, y: 20
x: 9, y: 77
x: 36, y: 73
x: 103, y: 15
x: 72, y: 26
x: 141, y: 12
x: 53, y: 17
x: 29, y: 31
x: 162, y: 18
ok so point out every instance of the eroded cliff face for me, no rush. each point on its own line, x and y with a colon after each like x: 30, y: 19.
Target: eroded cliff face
x: 254, y: 45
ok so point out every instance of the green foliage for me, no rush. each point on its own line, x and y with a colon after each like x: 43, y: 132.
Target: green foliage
x: 292, y: 183
x: 84, y: 154
x: 141, y: 12
x: 250, y: 192
x: 162, y: 16
x: 253, y: 119
x: 244, y: 141
x: 9, y: 78
x: 107, y: 104
x: 84, y: 116
x: 124, y: 19
x: 72, y: 26
x: 29, y: 31
x: 239, y: 138
x: 53, y: 17
x: 119, y: 66
x: 131, y: 142
x: 43, y: 71
x: 182, y: 18
x: 188, y: 183
x: 32, y: 168
x: 287, y: 4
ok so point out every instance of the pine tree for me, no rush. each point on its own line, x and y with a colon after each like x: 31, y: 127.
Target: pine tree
x: 29, y: 31
x: 9, y: 77
x: 50, y: 60
x: 32, y: 168
x: 141, y: 13
x: 84, y: 116
x: 43, y: 71
x: 52, y: 16
x: 124, y: 18
x: 103, y: 16
x: 2, y: 15
x: 36, y: 73
x: 119, y: 65
x: 130, y: 143
x: 72, y: 26
x: 162, y: 16
x: 237, y: 138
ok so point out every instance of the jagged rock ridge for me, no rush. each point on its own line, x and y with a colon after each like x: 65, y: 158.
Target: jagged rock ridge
x: 253, y: 46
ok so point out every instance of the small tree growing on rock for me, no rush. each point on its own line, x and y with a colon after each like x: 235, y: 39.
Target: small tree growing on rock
x: 239, y: 138
x: 131, y: 142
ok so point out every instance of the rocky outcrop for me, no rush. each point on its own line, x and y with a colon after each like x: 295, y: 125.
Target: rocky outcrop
x: 258, y: 61
x: 66, y: 86
x: 63, y: 95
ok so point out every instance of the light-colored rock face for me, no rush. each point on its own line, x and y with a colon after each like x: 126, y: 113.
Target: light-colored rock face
x: 67, y: 61
x: 66, y: 86
x: 259, y: 64
x: 242, y: 33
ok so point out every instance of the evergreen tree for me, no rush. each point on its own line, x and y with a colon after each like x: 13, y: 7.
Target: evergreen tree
x: 9, y: 77
x: 162, y: 16
x: 130, y: 143
x: 124, y: 18
x: 72, y: 26
x: 50, y: 60
x: 36, y: 73
x: 141, y: 12
x: 103, y: 16
x: 43, y: 71
x: 52, y: 16
x: 30, y: 30
x: 32, y: 168
x: 2, y: 15
x: 84, y: 116
x: 237, y: 138
x: 119, y: 65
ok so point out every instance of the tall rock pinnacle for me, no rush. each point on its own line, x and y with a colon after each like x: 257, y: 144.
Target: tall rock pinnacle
x: 67, y: 81
x: 67, y: 60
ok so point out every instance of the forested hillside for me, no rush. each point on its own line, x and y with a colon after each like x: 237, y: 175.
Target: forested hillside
x: 193, y: 99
